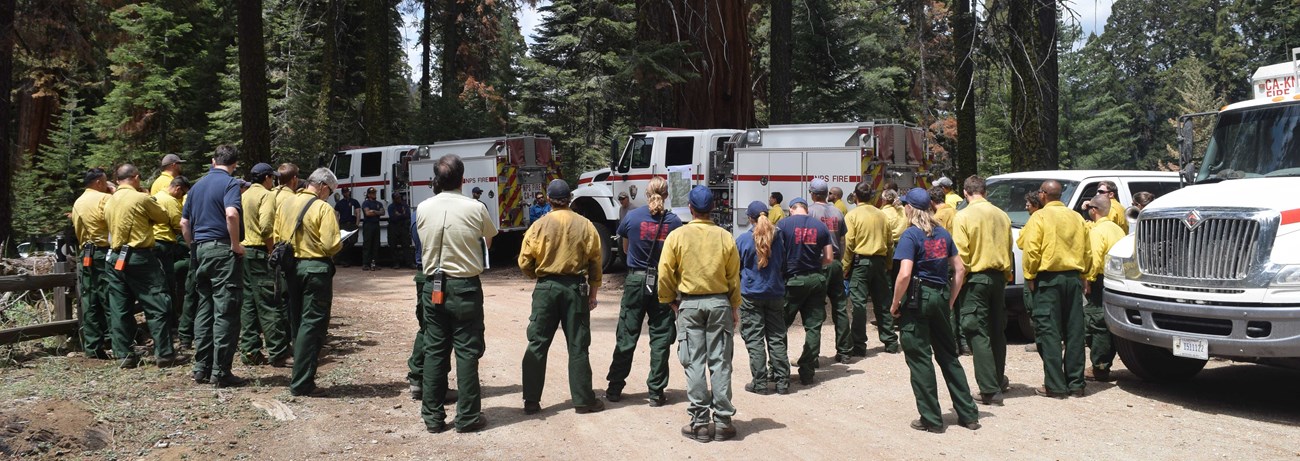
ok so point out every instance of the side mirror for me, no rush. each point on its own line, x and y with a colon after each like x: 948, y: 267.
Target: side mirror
x: 613, y: 154
x: 1186, y: 141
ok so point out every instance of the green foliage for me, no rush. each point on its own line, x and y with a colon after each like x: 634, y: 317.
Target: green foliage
x: 45, y: 190
x: 1096, y: 127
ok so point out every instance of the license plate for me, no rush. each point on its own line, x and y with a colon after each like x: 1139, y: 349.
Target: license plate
x: 1192, y: 348
x: 529, y: 191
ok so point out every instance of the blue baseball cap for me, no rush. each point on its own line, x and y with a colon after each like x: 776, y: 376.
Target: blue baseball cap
x: 756, y: 209
x: 918, y: 198
x: 701, y: 198
x: 818, y: 186
x: 798, y: 201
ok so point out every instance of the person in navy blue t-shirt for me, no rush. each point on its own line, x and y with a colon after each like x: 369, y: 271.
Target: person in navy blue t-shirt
x: 921, y: 303
x: 643, y: 232
x: 762, y: 310
x: 371, y: 211
x: 805, y: 287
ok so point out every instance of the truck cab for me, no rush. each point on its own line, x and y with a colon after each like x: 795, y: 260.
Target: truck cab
x: 1213, y: 269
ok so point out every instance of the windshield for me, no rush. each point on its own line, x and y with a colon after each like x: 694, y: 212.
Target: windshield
x: 1009, y: 195
x: 1254, y: 143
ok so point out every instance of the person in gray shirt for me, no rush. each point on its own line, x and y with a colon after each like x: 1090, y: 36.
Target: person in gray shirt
x: 825, y: 212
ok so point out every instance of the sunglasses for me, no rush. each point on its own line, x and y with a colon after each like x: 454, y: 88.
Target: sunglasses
x: 1104, y: 191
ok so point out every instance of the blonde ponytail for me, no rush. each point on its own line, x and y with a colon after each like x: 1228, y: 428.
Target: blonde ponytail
x: 922, y: 219
x: 655, y: 192
x: 763, y: 233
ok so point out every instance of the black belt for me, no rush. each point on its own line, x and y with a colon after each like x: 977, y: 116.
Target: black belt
x: 711, y: 295
x: 213, y: 241
x: 991, y: 272
x: 808, y: 272
x: 562, y: 278
x: 927, y: 283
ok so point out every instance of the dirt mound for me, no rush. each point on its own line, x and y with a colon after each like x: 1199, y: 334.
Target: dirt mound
x: 48, y: 428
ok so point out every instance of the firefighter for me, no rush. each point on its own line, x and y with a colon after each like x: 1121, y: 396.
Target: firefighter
x: 1056, y: 254
x: 867, y: 249
x: 774, y: 212
x: 823, y: 211
x: 700, y: 277
x: 643, y: 232
x: 1101, y: 237
x: 805, y: 287
x: 1111, y: 192
x: 371, y: 210
x: 762, y: 314
x: 261, y: 317
x: 136, y: 276
x: 921, y: 301
x: 562, y: 251
x: 91, y: 226
x: 169, y: 250
x: 171, y: 168
x: 982, y: 233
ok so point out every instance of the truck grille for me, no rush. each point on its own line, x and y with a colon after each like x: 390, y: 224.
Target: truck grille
x: 1217, y: 249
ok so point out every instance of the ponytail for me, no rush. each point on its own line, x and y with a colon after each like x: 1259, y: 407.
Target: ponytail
x: 922, y: 219
x: 655, y: 193
x: 763, y: 233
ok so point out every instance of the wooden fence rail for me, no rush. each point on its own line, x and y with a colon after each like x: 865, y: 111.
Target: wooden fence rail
x: 60, y: 282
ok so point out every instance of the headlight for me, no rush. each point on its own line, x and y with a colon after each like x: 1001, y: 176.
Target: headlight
x: 1115, y: 267
x: 1289, y: 275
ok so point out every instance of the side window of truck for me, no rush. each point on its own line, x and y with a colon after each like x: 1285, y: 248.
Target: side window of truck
x: 1156, y: 188
x: 1088, y: 191
x: 678, y: 151
x: 343, y: 166
x: 640, y: 152
x: 372, y: 164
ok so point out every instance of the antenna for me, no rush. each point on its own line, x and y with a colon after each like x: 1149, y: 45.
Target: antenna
x: 1295, y: 71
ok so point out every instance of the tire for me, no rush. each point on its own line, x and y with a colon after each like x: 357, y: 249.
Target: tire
x: 607, y: 259
x: 1025, y: 326
x: 1156, y: 364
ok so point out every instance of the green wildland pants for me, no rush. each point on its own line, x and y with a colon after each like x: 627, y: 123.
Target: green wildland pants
x: 984, y: 322
x: 637, y: 307
x: 220, y: 285
x: 313, y: 282
x: 166, y: 253
x: 415, y: 364
x: 190, y: 303
x: 762, y: 325
x: 1099, y: 339
x: 369, y: 243
x: 839, y: 308
x: 926, y: 333
x: 262, y: 317
x: 399, y: 243
x: 805, y: 296
x: 94, y: 304
x: 1058, y: 311
x: 557, y: 304
x: 141, y: 280
x: 455, y: 325
x: 870, y: 277
x: 705, y: 344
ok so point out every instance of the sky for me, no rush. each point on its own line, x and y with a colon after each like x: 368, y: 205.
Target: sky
x: 1092, y: 15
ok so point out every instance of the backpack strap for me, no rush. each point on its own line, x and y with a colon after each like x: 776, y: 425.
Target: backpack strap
x: 300, y: 216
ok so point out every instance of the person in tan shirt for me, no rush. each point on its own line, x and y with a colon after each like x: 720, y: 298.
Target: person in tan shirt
x: 561, y: 251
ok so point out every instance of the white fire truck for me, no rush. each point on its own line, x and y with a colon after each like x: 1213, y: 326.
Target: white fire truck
x: 508, y: 169
x: 1213, y: 269
x: 743, y: 166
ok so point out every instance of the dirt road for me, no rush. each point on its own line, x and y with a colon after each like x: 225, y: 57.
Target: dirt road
x: 856, y: 411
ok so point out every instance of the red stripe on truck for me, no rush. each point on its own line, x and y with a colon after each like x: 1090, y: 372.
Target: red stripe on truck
x: 1291, y: 216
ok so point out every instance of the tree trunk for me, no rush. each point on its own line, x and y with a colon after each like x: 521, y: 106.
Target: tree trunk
x: 1033, y: 84
x: 717, y: 52
x: 253, y: 112
x: 6, y: 116
x: 375, y: 112
x: 781, y: 62
x: 326, y: 142
x: 964, y: 43
x: 426, y: 57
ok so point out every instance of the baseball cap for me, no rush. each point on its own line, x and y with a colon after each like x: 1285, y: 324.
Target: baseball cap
x: 245, y: 184
x: 797, y: 201
x: 918, y: 198
x: 262, y: 169
x: 818, y: 186
x: 943, y: 181
x: 370, y: 190
x: 756, y: 209
x: 558, y: 189
x: 170, y: 159
x: 622, y: 195
x: 701, y: 198
x: 477, y: 190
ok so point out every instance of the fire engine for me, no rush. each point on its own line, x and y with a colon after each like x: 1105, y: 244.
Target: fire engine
x: 1213, y: 269
x: 508, y: 169
x: 743, y: 166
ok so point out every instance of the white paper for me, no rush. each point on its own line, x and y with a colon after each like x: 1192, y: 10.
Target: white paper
x: 347, y: 234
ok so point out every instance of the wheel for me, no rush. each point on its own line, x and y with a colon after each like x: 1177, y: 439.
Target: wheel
x: 1156, y: 364
x: 1025, y: 325
x: 607, y: 258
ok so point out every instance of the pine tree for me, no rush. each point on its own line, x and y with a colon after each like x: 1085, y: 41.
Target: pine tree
x: 45, y: 190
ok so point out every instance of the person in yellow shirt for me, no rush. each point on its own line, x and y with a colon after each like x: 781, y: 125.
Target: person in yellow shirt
x: 706, y: 296
x: 262, y: 320
x: 950, y: 196
x: 1116, y: 214
x: 136, y: 275
x: 893, y: 209
x: 943, y: 212
x: 90, y: 224
x: 982, y: 233
x: 868, y: 246
x: 287, y: 177
x: 311, y: 282
x: 837, y: 198
x: 775, y: 213
x: 171, y: 169
x: 169, y: 249
x: 288, y: 187
x: 562, y: 251
x: 1103, y: 235
x: 1055, y: 246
